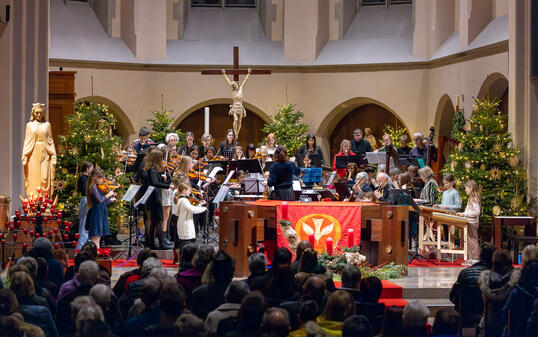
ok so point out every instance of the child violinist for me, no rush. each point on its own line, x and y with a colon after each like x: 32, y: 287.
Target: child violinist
x: 97, y: 219
x: 86, y: 170
x: 176, y: 181
x: 238, y: 153
x: 472, y: 213
x: 186, y: 231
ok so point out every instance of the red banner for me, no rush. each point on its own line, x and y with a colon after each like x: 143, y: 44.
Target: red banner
x: 320, y: 221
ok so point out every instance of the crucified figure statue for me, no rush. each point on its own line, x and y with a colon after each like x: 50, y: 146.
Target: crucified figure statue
x: 237, y: 109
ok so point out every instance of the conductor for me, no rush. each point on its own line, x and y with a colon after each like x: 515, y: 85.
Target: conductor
x: 281, y: 175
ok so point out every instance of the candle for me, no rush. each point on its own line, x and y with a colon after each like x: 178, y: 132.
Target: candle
x: 329, y: 243
x: 56, y: 245
x: 66, y: 228
x: 18, y: 223
x: 32, y: 233
x: 312, y: 239
x: 37, y: 235
x: 74, y: 243
x: 350, y: 237
x: 15, y: 237
x: 56, y: 229
x: 59, y: 221
x: 59, y: 214
x: 3, y: 242
x: 24, y: 246
x: 25, y: 231
x: 1, y: 235
x: 77, y: 236
x: 66, y: 237
x: 285, y: 210
x: 38, y: 213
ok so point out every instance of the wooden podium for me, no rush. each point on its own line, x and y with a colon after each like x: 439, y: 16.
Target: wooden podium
x: 384, y: 232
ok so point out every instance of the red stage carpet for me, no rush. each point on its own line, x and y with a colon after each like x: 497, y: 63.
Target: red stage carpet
x: 456, y: 263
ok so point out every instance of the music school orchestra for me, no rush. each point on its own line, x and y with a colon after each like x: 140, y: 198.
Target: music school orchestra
x: 187, y: 178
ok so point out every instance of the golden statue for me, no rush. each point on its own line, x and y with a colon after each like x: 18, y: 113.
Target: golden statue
x: 38, y: 154
x: 237, y: 109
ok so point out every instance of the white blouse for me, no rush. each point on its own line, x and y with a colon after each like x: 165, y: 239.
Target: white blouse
x: 185, y: 222
x: 472, y: 211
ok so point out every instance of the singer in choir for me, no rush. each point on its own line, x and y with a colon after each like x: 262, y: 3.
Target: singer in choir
x: 360, y: 145
x: 420, y: 150
x: 270, y: 142
x: 206, y: 139
x: 189, y: 144
x: 404, y: 149
x: 226, y: 147
x: 345, y: 150
x: 311, y: 147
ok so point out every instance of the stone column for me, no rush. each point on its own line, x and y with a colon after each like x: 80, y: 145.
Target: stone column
x: 523, y: 93
x: 306, y: 29
x: 24, y: 57
x: 474, y: 16
x: 143, y: 28
x: 434, y: 23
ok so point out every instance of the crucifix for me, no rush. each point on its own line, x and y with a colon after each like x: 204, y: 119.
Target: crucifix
x: 236, y: 108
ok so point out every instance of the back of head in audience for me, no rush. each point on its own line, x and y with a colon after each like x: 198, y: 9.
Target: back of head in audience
x: 309, y: 261
x: 172, y: 300
x: 236, y: 291
x: 30, y: 263
x: 282, y: 258
x: 276, y: 321
x: 351, y: 277
x: 22, y: 284
x: 190, y: 325
x: 223, y: 267
x: 78, y: 303
x: 151, y: 288
x: 93, y: 328
x: 314, y: 288
x: 502, y: 261
x: 486, y: 253
x: 529, y: 253
x: 257, y: 264
x: 42, y: 268
x: 89, y: 247
x: 91, y: 312
x: 357, y: 325
x: 149, y: 264
x: 446, y: 322
x: 102, y: 294
x: 203, y: 255
x: 529, y: 276
x: 88, y: 272
x: 301, y: 246
x: 415, y: 314
x: 370, y: 289
x: 42, y: 243
x: 8, y: 302
x: 252, y: 308
x: 340, y: 306
x: 143, y: 254
x: 82, y: 257
x: 308, y: 311
x: 187, y: 255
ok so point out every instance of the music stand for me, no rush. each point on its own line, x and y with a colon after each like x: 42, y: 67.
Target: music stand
x: 343, y: 190
x: 220, y: 163
x: 254, y: 185
x: 327, y: 194
x: 342, y: 161
x: 331, y: 178
x: 248, y: 165
x: 402, y: 197
x: 129, y: 196
x: 316, y: 159
x: 312, y: 175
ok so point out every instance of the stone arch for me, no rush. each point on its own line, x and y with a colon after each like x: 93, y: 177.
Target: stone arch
x: 444, y: 116
x: 496, y: 86
x: 248, y: 106
x: 355, y: 105
x: 124, y: 127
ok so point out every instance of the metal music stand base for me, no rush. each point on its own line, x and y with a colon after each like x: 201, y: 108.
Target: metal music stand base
x: 128, y: 251
x: 420, y: 258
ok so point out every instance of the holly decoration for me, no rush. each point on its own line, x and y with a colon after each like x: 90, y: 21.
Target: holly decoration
x: 486, y: 154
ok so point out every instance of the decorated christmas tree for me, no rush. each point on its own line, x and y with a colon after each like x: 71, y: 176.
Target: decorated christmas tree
x: 458, y: 123
x: 485, y: 153
x: 161, y: 125
x: 395, y: 134
x: 288, y: 127
x: 91, y: 138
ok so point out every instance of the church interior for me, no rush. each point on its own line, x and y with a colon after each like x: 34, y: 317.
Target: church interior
x: 342, y: 167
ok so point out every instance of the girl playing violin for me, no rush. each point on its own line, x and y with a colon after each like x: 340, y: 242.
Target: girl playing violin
x: 209, y: 153
x: 97, y: 220
x: 250, y: 151
x: 238, y: 153
x: 186, y: 231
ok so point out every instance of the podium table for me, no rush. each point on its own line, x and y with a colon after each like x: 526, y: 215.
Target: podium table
x: 500, y: 221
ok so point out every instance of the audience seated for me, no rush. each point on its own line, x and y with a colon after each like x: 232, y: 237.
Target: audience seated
x: 308, y: 311
x: 276, y: 322
x: 42, y: 247
x: 41, y: 278
x: 301, y: 246
x: 279, y: 284
x: 414, y: 319
x: 249, y: 317
x: 11, y: 321
x: 191, y: 278
x: 496, y: 284
x: 233, y: 296
x: 186, y: 256
x: 351, y: 278
x: 132, y: 275
x: 172, y: 305
x: 257, y: 264
x: 190, y: 325
x: 467, y: 283
x: 518, y: 308
x: 313, y: 290
x: 80, y: 285
x: 357, y: 325
x: 309, y: 266
x: 340, y: 306
x: 149, y: 295
x: 446, y: 323
x: 104, y: 297
x: 40, y: 292
x: 210, y: 295
x: 370, y: 289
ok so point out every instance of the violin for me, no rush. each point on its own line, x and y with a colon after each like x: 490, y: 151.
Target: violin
x: 194, y: 174
x: 125, y: 156
x: 108, y: 185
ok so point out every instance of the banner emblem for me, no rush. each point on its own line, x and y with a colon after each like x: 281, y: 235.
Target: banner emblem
x: 322, y: 226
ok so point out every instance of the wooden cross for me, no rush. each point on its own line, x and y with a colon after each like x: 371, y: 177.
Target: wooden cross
x: 236, y: 71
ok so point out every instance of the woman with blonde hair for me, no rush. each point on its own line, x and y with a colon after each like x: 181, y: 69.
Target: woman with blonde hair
x: 345, y: 150
x: 270, y: 142
x: 340, y: 306
x: 430, y: 191
x: 472, y: 213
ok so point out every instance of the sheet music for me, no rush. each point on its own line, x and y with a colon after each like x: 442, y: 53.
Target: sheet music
x: 230, y: 175
x: 145, y: 197
x: 378, y: 158
x: 131, y: 193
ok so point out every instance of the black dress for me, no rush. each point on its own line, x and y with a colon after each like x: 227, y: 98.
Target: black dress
x: 155, y: 204
x: 303, y: 151
x: 281, y: 178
